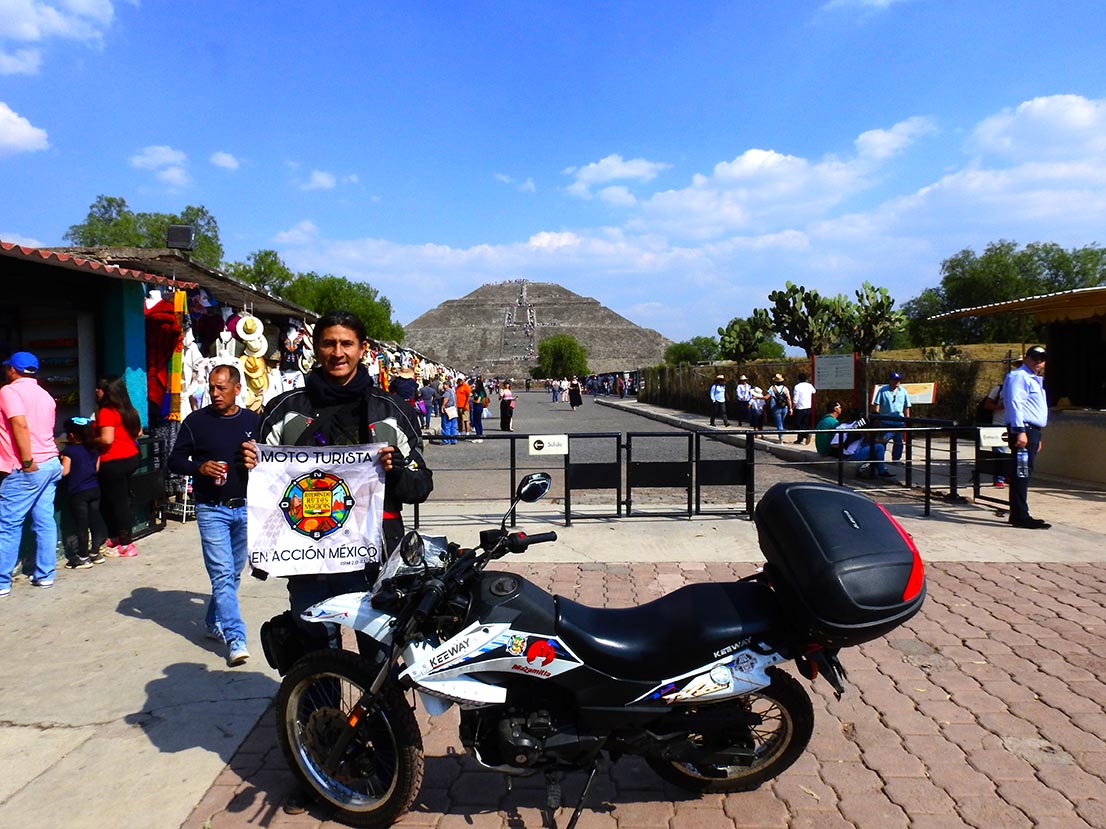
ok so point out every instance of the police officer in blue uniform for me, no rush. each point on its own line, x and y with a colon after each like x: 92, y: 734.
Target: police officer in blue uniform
x: 1023, y: 395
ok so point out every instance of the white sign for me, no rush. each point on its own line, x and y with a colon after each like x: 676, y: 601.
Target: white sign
x: 548, y: 444
x: 315, y: 509
x: 834, y: 371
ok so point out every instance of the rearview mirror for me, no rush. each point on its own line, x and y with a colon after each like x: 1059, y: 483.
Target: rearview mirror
x: 533, y: 487
x: 412, y: 549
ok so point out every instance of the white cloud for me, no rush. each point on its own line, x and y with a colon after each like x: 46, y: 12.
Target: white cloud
x: 157, y: 156
x: 20, y: 239
x: 687, y: 260
x: 527, y: 186
x: 33, y: 21
x: 302, y: 233
x: 320, y: 180
x: 614, y: 167
x: 352, y: 178
x: 858, y: 5
x: 18, y: 135
x: 1057, y: 126
x: 224, y: 160
x: 618, y: 195
x: 20, y: 62
x: 174, y: 176
x: 882, y: 144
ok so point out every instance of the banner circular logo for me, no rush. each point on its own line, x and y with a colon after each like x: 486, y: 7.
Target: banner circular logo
x: 316, y: 504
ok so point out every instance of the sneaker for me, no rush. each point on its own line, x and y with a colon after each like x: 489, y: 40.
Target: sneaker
x: 111, y: 542
x: 109, y: 550
x: 78, y: 564
x: 5, y: 592
x: 126, y: 551
x: 887, y: 473
x: 43, y: 583
x: 215, y: 633
x: 238, y: 653
x: 97, y: 558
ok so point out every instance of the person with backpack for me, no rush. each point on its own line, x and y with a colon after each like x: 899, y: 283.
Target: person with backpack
x: 779, y: 404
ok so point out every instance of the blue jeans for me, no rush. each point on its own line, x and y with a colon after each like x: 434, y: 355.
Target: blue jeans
x: 778, y: 415
x: 478, y: 419
x: 896, y: 436
x: 23, y: 494
x: 449, y: 427
x: 867, y: 452
x: 223, y: 538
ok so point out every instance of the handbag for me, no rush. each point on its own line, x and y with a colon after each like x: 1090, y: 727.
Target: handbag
x: 450, y: 412
x: 420, y: 406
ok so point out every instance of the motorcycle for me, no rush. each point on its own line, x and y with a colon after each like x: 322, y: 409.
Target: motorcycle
x: 691, y: 682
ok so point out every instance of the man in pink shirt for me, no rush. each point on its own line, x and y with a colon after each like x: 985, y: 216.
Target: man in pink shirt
x: 29, y: 468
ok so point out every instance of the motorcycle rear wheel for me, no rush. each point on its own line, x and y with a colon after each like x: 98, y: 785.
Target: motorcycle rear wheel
x: 786, y: 723
x: 380, y: 773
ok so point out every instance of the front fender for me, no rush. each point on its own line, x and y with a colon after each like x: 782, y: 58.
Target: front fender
x: 354, y: 610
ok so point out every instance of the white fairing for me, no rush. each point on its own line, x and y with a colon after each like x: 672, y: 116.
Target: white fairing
x: 733, y: 676
x: 355, y: 611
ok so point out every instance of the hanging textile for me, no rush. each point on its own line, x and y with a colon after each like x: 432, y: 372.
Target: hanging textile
x: 176, y: 370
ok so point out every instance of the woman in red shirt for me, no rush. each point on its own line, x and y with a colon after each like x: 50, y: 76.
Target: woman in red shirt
x: 117, y: 426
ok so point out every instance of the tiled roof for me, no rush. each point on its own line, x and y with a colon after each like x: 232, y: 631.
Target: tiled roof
x: 76, y: 263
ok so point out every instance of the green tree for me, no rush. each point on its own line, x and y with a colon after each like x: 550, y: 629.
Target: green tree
x: 265, y: 269
x: 695, y: 350
x: 326, y: 292
x: 111, y: 223
x: 804, y: 319
x: 561, y: 355
x: 871, y: 321
x: 1003, y: 272
x: 742, y: 340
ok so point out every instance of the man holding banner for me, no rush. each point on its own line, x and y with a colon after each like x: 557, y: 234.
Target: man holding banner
x: 334, y: 463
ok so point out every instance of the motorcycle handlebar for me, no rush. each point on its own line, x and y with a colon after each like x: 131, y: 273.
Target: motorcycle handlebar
x: 518, y: 542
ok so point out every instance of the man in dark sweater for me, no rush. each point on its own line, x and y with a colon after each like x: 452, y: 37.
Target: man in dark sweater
x: 208, y: 449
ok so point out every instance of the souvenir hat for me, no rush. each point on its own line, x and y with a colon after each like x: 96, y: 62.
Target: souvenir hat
x: 720, y: 377
x: 253, y: 366
x: 758, y: 391
x: 742, y: 377
x: 24, y: 362
x: 777, y: 378
x: 257, y: 346
x: 248, y: 327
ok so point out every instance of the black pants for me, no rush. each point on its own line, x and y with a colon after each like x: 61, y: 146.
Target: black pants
x: 1019, y: 487
x: 718, y: 410
x: 86, y: 515
x: 115, y: 497
x: 801, y: 420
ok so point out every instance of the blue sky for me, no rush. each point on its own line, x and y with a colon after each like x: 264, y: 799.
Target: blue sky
x: 677, y: 161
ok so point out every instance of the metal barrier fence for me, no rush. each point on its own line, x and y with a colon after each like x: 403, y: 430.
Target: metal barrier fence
x: 932, y: 452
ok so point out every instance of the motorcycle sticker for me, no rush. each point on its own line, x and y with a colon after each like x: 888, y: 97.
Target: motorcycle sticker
x: 543, y: 649
x: 516, y: 645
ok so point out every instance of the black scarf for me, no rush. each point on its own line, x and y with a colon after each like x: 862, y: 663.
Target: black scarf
x: 341, y: 416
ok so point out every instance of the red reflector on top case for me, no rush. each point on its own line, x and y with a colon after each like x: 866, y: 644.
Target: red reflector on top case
x: 917, y: 578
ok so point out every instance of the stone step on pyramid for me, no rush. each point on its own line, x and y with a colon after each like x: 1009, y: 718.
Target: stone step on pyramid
x: 496, y: 330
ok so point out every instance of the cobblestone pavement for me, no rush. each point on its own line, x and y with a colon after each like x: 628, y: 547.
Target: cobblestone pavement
x: 986, y: 710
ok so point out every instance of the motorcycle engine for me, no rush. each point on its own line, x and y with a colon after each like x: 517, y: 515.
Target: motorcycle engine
x: 514, y: 740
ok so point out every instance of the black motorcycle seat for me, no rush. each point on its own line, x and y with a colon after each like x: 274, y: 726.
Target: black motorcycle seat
x: 671, y: 635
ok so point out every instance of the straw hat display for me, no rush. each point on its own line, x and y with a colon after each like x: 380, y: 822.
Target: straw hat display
x: 248, y: 327
x: 256, y: 347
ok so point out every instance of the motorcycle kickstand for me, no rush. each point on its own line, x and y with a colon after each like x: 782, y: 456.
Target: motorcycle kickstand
x: 554, y: 801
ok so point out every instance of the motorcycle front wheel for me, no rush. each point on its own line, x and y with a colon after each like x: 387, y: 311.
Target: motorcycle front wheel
x: 376, y: 778
x: 781, y: 722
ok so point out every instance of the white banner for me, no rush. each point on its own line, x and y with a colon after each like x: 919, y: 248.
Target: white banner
x: 315, y: 509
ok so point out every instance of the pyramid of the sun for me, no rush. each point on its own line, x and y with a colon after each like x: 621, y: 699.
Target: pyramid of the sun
x: 495, y: 330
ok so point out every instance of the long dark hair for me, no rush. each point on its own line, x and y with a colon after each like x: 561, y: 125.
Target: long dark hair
x: 116, y: 397
x: 346, y: 319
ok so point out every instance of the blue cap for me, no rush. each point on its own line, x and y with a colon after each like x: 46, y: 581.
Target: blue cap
x: 24, y: 362
x: 895, y: 375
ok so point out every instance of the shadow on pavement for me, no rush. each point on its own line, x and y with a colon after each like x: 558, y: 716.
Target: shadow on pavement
x: 179, y: 611
x: 190, y: 706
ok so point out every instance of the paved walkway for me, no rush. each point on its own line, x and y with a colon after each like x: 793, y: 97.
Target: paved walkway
x: 986, y: 710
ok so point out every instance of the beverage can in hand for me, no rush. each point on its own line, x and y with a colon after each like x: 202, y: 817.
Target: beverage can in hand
x: 221, y: 478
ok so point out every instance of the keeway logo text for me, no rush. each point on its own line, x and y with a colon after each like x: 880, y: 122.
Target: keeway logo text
x: 453, y: 651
